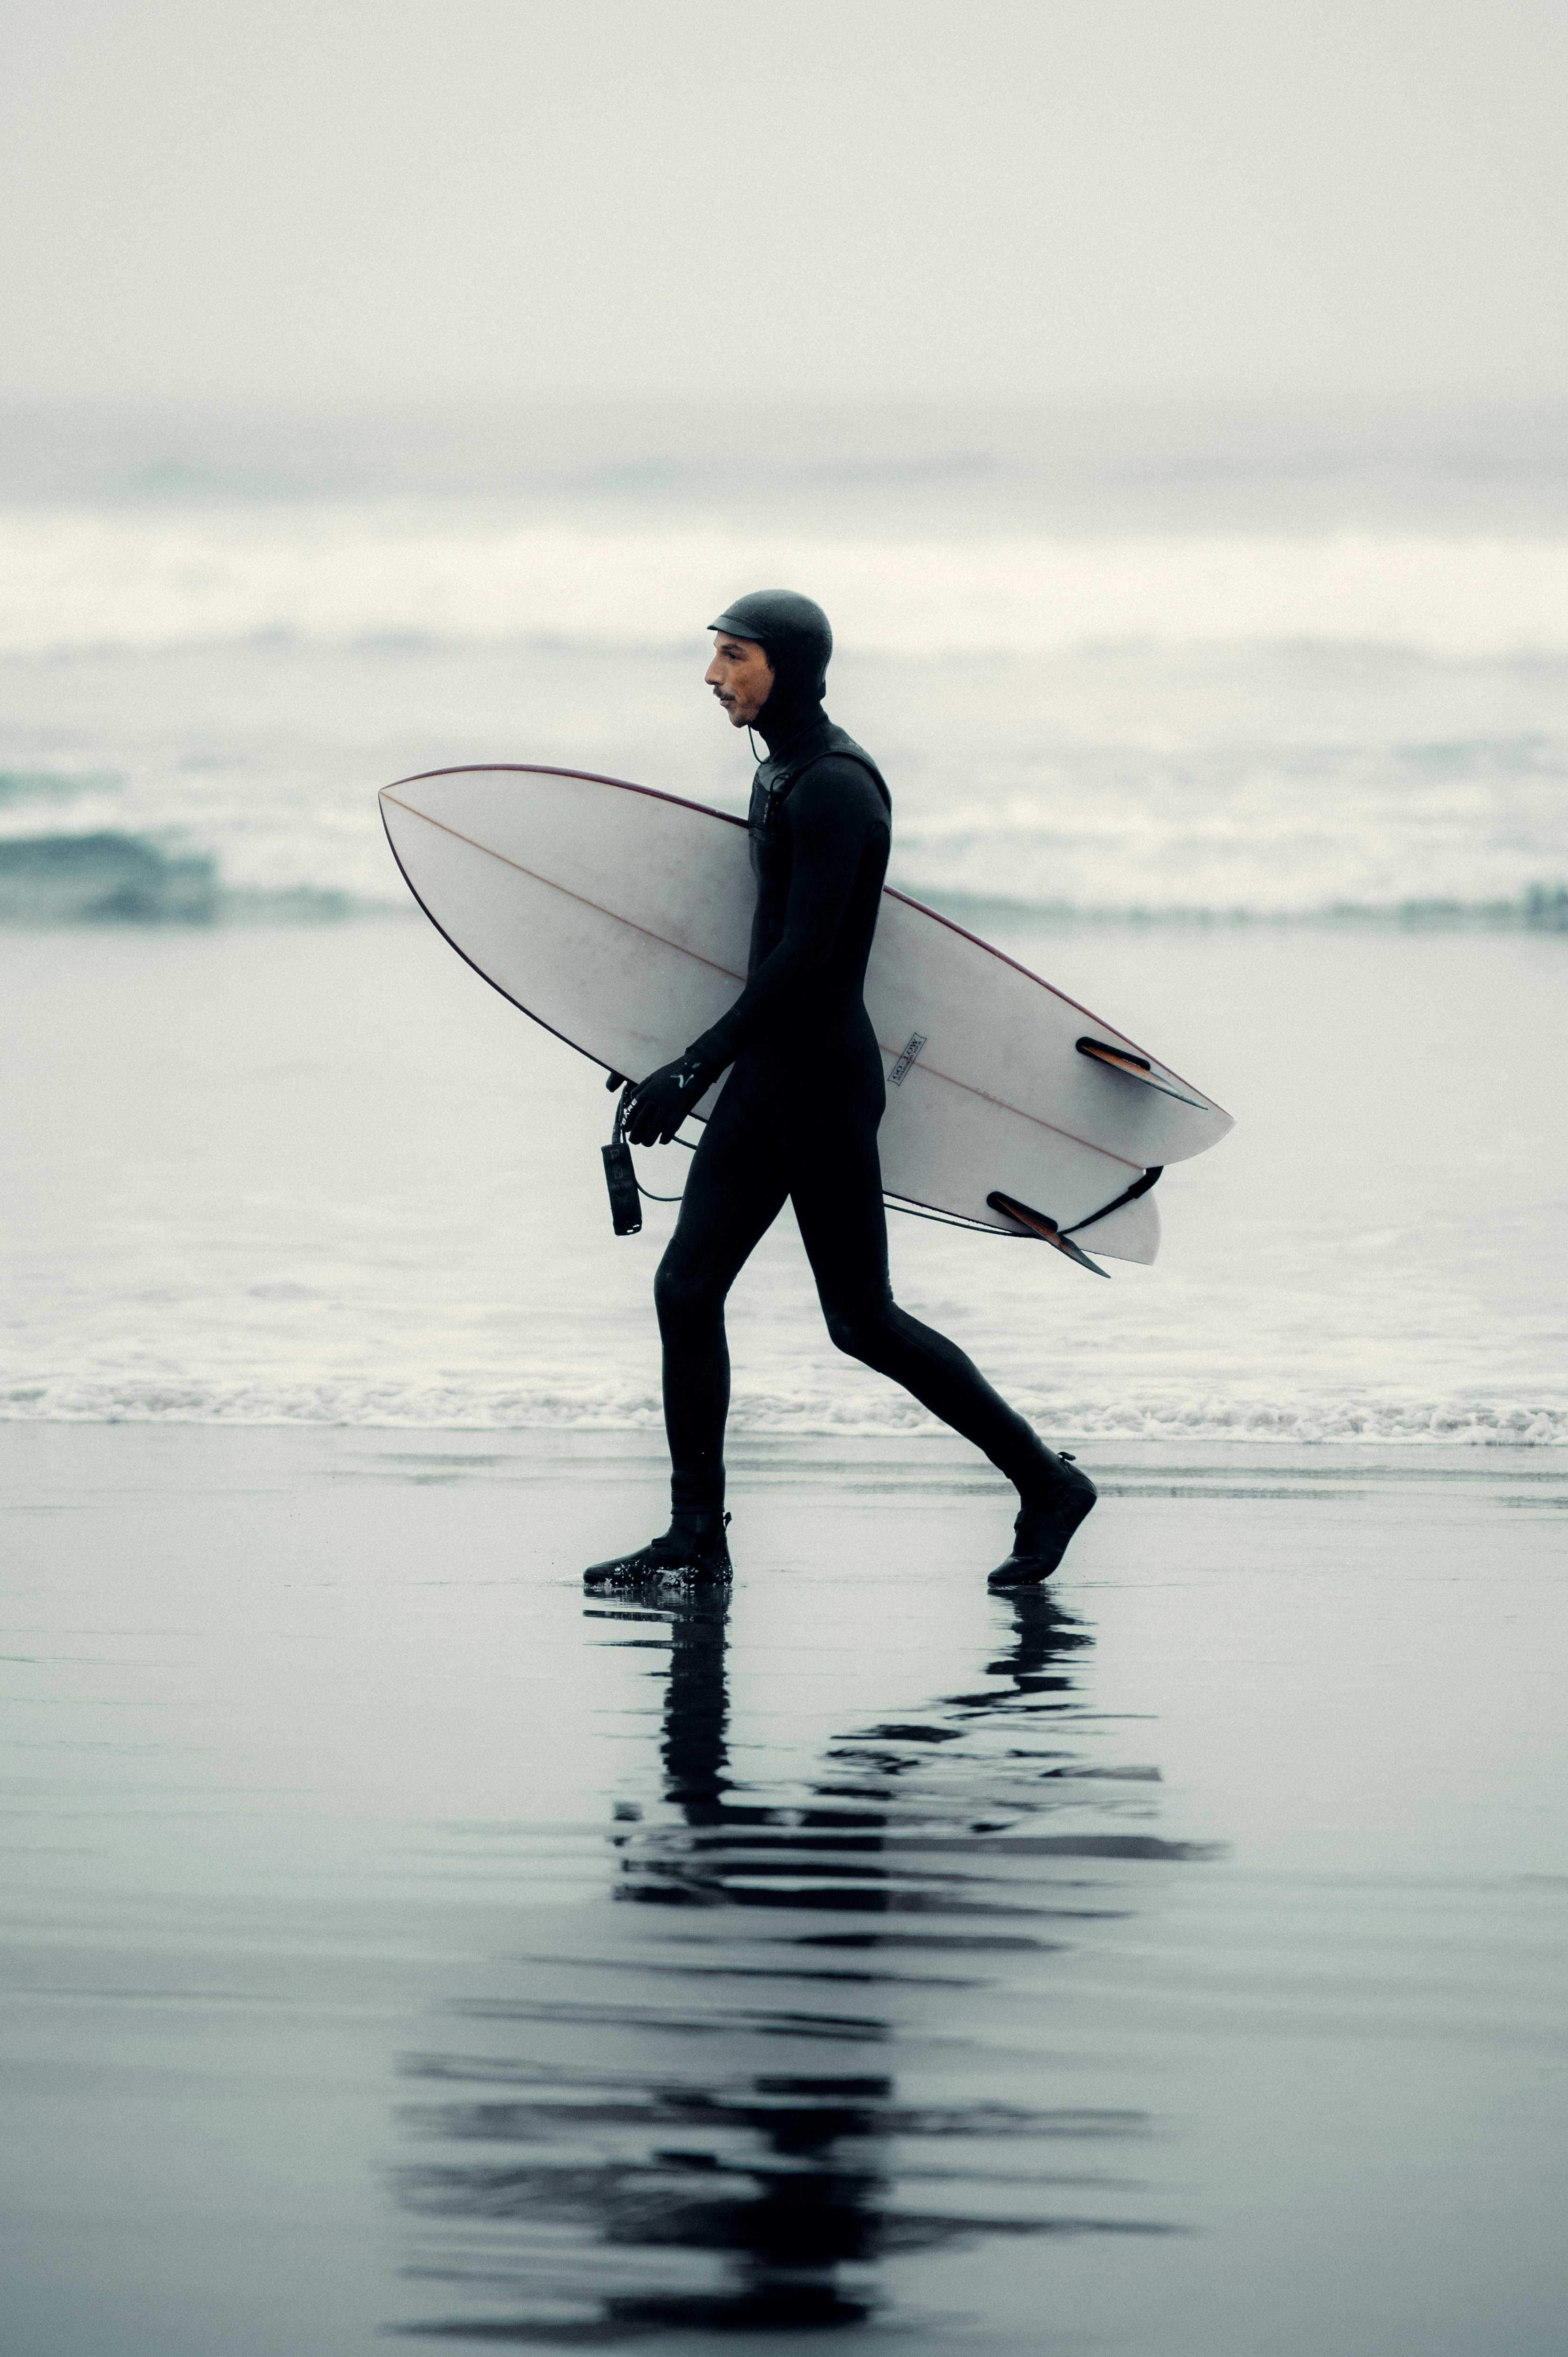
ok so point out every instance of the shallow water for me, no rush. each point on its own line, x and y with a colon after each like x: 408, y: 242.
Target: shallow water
x: 1165, y: 1963
x: 328, y: 1175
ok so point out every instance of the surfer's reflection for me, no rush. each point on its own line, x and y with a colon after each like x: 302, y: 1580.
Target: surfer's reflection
x: 688, y: 2159
x: 699, y: 2122
x: 806, y: 2202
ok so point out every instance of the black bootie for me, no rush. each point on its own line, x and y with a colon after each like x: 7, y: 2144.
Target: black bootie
x: 1046, y: 1520
x: 692, y: 1553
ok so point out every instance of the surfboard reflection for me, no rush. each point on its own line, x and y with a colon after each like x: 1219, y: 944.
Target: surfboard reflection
x: 672, y: 2137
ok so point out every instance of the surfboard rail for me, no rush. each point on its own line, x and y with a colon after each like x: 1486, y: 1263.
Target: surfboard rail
x: 623, y: 934
x: 889, y: 892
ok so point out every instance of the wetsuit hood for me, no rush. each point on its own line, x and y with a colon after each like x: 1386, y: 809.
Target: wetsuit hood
x: 798, y: 639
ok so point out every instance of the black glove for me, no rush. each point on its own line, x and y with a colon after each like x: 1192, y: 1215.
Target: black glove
x: 658, y: 1105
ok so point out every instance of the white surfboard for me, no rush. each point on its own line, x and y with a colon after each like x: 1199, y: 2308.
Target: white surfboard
x: 621, y: 919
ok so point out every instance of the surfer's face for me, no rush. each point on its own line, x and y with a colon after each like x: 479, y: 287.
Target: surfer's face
x: 741, y: 677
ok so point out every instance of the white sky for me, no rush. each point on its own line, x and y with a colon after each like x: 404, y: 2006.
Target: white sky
x: 341, y: 200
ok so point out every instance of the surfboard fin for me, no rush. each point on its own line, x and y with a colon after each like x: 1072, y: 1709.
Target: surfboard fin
x: 1134, y: 1068
x: 1041, y: 1224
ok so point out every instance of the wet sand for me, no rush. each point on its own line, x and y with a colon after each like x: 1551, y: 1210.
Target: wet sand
x: 1167, y: 1963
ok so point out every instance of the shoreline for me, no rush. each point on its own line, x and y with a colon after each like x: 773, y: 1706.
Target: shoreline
x: 746, y: 1437
x: 327, y: 1175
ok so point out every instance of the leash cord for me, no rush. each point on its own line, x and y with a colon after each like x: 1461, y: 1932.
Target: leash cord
x: 910, y: 1211
x: 937, y: 1219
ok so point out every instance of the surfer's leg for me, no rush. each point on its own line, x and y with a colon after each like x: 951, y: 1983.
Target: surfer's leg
x: 836, y: 1188
x: 734, y: 1190
x: 837, y: 1194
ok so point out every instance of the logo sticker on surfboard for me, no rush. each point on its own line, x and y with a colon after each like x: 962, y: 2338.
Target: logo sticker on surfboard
x: 912, y: 1047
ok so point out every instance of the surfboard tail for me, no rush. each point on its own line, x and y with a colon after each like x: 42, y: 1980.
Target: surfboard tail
x: 1131, y: 1233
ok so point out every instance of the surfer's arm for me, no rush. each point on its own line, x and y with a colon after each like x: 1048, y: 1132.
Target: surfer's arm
x: 830, y: 815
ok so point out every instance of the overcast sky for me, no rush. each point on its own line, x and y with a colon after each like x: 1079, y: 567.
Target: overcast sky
x: 335, y: 199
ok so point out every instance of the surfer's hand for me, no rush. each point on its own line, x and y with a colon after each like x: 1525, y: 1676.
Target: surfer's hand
x: 658, y: 1105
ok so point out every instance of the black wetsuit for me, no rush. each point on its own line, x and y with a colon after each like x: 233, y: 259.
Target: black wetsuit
x: 796, y: 1121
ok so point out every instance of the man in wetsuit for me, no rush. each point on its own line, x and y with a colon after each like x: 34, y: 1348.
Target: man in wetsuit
x: 797, y: 1117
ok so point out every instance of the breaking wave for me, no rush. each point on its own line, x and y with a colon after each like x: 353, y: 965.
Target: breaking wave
x: 397, y: 1406
x: 114, y: 877
x: 117, y: 878
x: 134, y: 580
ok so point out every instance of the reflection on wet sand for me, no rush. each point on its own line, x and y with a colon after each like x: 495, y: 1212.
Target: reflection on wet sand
x: 666, y: 2141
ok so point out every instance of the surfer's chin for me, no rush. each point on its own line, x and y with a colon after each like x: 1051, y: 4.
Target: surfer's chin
x: 731, y: 709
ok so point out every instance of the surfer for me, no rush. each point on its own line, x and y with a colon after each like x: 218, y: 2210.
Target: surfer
x: 798, y: 1118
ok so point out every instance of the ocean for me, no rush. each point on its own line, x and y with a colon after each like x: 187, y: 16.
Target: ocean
x: 1249, y: 730
x: 403, y: 1946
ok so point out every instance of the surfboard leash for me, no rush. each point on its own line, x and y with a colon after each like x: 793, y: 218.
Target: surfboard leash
x: 626, y: 1190
x: 627, y: 1194
x: 626, y: 1187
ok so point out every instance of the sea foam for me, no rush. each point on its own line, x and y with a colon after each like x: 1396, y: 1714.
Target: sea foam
x: 79, y: 579
x: 1150, y: 1413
